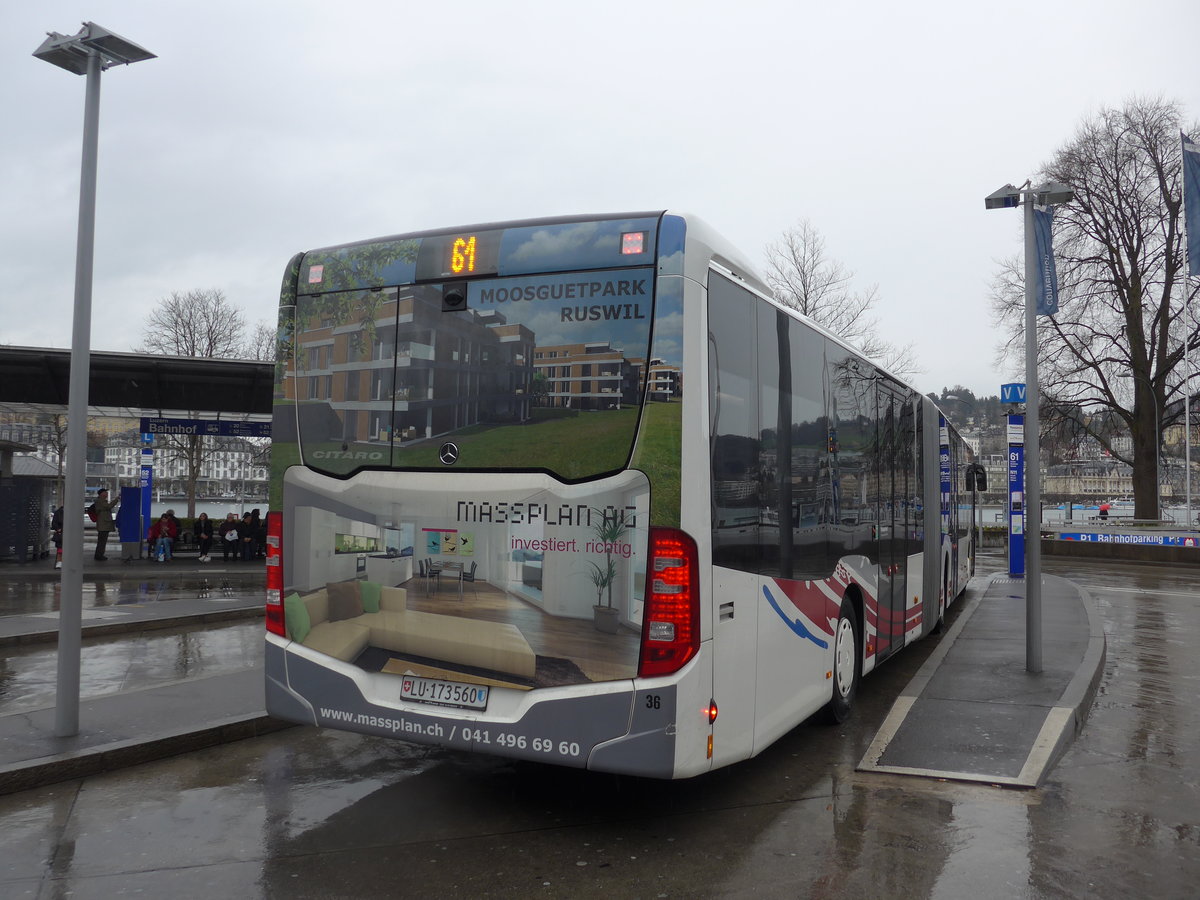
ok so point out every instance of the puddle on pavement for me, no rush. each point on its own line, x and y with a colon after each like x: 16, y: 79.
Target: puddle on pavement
x: 28, y: 675
x: 19, y: 598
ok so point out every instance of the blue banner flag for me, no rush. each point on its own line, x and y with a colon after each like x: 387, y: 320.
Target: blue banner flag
x: 1046, y: 278
x: 1191, y: 202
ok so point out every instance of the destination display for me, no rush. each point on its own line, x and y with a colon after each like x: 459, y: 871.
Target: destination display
x: 568, y: 246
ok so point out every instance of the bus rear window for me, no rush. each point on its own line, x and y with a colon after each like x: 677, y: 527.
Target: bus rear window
x: 540, y: 371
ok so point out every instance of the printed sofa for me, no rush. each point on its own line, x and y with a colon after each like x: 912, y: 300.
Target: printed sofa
x: 345, y: 617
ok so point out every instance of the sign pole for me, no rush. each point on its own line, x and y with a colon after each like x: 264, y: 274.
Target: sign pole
x: 1014, y: 396
x: 146, y: 483
x: 1033, y: 456
x: 1016, y: 495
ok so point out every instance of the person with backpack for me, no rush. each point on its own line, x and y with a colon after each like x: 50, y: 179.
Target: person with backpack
x: 102, y: 512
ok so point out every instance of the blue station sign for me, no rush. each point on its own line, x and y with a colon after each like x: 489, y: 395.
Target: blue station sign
x: 209, y: 427
x: 1147, y: 540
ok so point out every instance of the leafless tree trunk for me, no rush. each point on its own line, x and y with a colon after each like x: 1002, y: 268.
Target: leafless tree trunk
x: 804, y: 277
x: 59, y: 424
x: 1116, y: 343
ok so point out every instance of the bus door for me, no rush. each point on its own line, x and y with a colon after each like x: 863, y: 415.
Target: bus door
x: 892, y: 473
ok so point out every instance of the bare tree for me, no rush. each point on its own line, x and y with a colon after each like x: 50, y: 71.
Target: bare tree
x: 804, y: 277
x: 260, y: 345
x: 198, y: 323
x: 1115, y: 346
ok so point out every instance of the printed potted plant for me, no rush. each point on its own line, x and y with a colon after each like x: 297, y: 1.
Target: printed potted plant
x: 605, y: 616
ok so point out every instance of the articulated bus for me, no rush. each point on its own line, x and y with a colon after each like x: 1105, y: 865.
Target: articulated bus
x: 579, y: 490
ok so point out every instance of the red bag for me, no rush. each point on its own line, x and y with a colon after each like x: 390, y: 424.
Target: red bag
x: 91, y: 511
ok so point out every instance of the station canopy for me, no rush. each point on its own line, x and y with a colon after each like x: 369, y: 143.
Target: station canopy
x: 136, y: 385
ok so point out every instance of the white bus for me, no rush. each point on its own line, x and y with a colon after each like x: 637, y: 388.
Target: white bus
x: 578, y: 490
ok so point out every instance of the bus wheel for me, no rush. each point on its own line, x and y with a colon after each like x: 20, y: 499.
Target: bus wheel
x: 847, y: 664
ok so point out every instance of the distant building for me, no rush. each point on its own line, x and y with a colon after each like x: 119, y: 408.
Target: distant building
x: 587, y: 376
x: 235, y: 468
x: 1101, y: 479
x: 664, y: 382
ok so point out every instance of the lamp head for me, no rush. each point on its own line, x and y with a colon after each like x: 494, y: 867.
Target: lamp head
x: 1052, y: 192
x: 63, y: 51
x: 72, y: 53
x: 1006, y: 197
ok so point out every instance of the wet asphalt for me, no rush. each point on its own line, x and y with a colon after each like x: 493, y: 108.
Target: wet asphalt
x: 130, y: 643
x: 125, y: 662
x: 311, y: 813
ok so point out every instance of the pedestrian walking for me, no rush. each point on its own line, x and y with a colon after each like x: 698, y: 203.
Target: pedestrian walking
x: 102, y: 510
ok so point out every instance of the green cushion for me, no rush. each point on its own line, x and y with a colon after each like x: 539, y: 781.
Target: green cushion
x: 369, y: 592
x: 295, y: 614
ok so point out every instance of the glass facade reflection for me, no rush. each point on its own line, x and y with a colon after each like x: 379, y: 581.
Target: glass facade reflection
x: 815, y: 451
x: 384, y: 363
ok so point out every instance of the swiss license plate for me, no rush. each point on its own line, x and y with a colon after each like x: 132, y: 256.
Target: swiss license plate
x: 444, y: 693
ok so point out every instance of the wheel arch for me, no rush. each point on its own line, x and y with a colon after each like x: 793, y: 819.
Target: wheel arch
x: 854, y: 594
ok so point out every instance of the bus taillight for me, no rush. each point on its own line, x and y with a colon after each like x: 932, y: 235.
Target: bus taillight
x: 275, y: 622
x: 671, y: 622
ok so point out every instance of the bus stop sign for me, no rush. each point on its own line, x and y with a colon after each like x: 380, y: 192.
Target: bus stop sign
x: 1012, y: 393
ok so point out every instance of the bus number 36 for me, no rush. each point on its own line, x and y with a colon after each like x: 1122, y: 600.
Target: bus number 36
x: 653, y: 701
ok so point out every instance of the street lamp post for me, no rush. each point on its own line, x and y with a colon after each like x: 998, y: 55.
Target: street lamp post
x: 88, y: 53
x: 1008, y: 197
x: 1187, y: 407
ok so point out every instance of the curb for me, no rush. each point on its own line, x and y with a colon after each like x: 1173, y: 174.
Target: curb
x: 96, y: 760
x: 105, y: 629
x: 124, y: 573
x: 1075, y: 705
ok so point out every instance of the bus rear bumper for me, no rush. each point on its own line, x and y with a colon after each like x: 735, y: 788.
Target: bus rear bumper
x: 607, y: 731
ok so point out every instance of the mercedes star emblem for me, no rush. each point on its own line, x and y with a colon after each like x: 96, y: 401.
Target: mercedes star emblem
x: 448, y: 454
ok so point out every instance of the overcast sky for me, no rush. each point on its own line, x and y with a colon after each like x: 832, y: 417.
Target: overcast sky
x: 266, y: 128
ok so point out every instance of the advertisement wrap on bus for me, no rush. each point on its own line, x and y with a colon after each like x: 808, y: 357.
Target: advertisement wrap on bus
x: 578, y: 490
